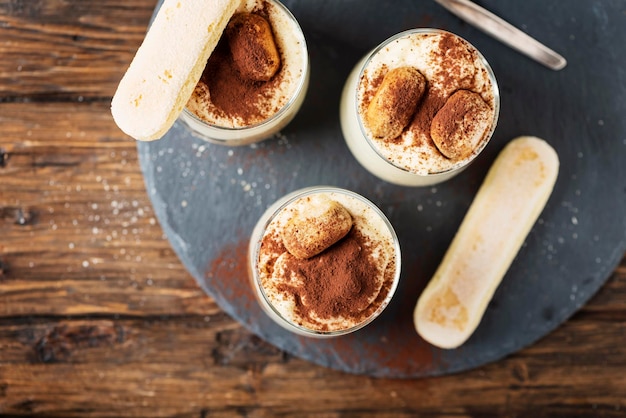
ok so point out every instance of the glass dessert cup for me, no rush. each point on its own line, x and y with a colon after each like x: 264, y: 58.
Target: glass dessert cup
x: 367, y: 150
x: 391, y: 270
x: 242, y: 133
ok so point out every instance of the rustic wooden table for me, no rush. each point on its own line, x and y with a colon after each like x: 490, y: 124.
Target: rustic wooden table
x: 99, y: 318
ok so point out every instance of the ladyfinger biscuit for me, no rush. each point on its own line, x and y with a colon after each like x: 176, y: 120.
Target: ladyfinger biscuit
x: 505, y: 208
x: 460, y: 125
x: 394, y: 102
x: 320, y: 225
x: 168, y: 65
x: 252, y: 47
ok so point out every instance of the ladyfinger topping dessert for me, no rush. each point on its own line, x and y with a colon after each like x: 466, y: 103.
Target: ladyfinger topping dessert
x: 342, y: 268
x: 323, y: 223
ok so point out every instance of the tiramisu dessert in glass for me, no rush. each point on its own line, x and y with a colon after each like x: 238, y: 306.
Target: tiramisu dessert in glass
x: 254, y: 81
x: 324, y: 261
x: 419, y: 107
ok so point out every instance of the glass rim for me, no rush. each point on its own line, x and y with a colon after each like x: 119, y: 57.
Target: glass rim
x: 492, y: 79
x: 271, y: 214
x: 276, y: 116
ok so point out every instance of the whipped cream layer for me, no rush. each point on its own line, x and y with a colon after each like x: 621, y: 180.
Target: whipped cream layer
x: 282, y: 276
x: 449, y: 64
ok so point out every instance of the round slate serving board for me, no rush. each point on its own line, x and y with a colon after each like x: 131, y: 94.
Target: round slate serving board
x: 208, y: 197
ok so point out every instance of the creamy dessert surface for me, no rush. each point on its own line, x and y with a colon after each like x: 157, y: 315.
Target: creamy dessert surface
x: 222, y: 100
x: 339, y: 288
x: 449, y: 64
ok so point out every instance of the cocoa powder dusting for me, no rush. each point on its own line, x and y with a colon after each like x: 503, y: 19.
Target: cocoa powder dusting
x: 272, y: 244
x: 431, y: 103
x: 232, y: 95
x: 451, y: 51
x: 228, y: 275
x: 339, y: 282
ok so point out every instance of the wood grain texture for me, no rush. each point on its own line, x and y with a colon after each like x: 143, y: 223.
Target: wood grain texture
x: 99, y: 318
x: 58, y: 50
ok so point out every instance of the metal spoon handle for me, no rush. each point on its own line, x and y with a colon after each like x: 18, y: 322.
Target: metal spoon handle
x: 504, y: 32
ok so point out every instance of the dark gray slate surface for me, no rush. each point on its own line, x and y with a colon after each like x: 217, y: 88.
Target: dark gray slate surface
x: 208, y: 197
